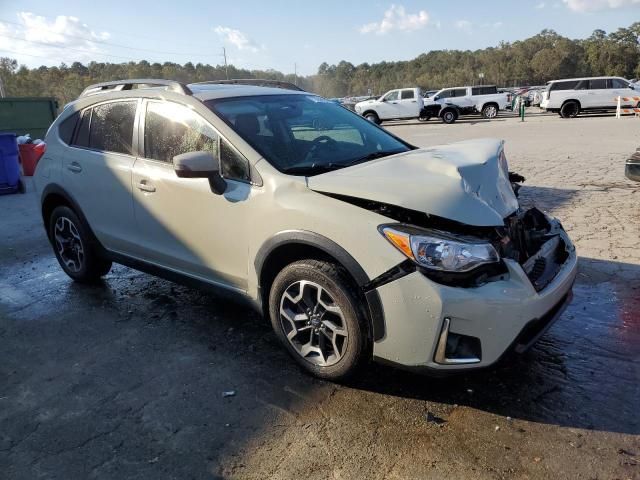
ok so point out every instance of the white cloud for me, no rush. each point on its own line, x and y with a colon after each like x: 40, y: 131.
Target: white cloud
x: 540, y: 6
x: 64, y: 38
x: 396, y: 18
x: 464, y: 25
x: 237, y: 38
x: 593, y: 5
x: 494, y: 25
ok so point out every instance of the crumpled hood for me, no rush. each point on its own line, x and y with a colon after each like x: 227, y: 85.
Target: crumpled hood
x: 460, y: 181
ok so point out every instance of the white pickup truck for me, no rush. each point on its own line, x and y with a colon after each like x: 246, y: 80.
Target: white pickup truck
x: 395, y: 104
x: 450, y: 103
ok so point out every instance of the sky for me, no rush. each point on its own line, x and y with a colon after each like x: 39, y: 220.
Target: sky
x: 285, y: 35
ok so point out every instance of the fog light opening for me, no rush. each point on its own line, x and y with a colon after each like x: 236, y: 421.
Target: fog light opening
x: 455, y: 348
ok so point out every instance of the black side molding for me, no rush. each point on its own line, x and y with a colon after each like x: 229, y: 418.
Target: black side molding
x: 304, y: 237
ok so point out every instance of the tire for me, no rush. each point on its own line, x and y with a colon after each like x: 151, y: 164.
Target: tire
x: 570, y: 109
x: 294, y: 294
x: 74, y: 248
x: 449, y: 116
x: 373, y: 118
x: 490, y: 111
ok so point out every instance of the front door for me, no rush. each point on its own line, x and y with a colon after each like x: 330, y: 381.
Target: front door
x: 182, y: 224
x: 97, y: 170
x: 389, y: 107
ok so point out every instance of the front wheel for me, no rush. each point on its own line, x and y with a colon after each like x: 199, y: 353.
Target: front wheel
x: 315, y: 313
x: 73, y: 248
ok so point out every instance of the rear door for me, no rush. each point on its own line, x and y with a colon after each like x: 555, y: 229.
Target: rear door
x: 408, y: 104
x: 599, y: 95
x: 97, y: 170
x: 182, y: 224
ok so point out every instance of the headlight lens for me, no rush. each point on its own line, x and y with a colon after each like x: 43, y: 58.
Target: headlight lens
x: 438, y: 251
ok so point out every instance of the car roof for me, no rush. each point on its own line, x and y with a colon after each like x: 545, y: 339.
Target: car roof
x: 206, y: 92
x: 585, y: 78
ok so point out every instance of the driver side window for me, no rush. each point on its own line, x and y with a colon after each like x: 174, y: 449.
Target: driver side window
x: 391, y: 96
x: 445, y: 94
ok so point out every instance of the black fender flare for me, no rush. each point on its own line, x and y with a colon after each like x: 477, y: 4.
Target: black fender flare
x: 57, y: 190
x: 331, y: 248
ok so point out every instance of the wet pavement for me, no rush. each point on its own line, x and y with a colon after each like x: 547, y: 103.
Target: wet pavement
x: 126, y: 380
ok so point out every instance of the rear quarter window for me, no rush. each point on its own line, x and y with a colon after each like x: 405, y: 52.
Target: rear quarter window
x: 565, y: 85
x: 67, y: 127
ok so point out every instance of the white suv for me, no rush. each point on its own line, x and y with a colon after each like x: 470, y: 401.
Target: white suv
x: 354, y: 243
x: 571, y: 96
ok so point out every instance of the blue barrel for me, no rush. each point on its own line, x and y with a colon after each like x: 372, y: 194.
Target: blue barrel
x: 9, y: 167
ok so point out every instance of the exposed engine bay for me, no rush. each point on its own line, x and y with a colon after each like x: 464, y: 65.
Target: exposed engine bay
x: 528, y: 237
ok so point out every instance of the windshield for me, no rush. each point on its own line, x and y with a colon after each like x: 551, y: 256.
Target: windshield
x: 305, y: 134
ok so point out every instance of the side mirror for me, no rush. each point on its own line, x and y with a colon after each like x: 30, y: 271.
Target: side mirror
x: 200, y: 164
x: 436, y: 98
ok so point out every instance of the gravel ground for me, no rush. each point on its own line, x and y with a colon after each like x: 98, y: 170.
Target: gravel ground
x: 127, y: 379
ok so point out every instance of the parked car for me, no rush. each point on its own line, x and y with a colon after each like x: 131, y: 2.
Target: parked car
x: 632, y: 167
x: 401, y: 103
x: 429, y: 93
x: 571, y: 96
x: 450, y: 103
x: 356, y: 244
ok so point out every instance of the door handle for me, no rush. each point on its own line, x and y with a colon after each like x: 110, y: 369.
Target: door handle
x: 414, y: 101
x: 146, y: 187
x: 74, y: 167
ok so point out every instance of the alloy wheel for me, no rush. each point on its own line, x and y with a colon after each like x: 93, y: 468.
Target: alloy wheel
x: 69, y: 244
x: 313, y: 323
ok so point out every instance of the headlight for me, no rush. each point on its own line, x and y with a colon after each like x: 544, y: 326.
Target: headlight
x: 438, y: 250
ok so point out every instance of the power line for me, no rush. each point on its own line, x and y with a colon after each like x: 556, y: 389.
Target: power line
x: 102, y: 42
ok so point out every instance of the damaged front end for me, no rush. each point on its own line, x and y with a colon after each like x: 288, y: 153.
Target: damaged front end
x: 528, y: 237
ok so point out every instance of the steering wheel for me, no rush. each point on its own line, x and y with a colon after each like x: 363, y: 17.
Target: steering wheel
x: 321, y: 141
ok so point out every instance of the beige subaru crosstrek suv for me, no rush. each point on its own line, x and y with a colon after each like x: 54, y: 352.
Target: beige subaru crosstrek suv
x: 354, y: 243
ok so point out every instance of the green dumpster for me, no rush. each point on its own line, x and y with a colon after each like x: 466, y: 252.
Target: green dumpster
x: 21, y: 115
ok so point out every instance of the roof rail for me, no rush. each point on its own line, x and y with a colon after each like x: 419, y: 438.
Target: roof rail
x: 118, y: 85
x: 258, y: 82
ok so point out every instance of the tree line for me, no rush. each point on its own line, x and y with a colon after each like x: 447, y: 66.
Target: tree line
x: 532, y: 61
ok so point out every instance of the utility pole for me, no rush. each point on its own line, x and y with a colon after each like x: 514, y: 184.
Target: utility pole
x: 295, y: 73
x: 226, y: 68
x: 2, y: 94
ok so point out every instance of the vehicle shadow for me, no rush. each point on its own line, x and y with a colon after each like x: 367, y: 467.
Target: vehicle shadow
x: 583, y: 373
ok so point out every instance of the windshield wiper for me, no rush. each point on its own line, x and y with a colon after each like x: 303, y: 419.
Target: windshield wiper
x: 314, y: 169
x: 373, y: 156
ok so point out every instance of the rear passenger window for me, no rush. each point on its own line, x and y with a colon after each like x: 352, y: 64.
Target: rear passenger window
x: 597, y: 84
x: 407, y: 95
x: 171, y: 129
x: 484, y: 90
x: 459, y: 92
x: 111, y: 127
x: 66, y: 128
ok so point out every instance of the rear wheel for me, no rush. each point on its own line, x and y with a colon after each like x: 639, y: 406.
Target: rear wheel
x: 570, y: 109
x: 315, y: 313
x: 73, y: 248
x: 449, y: 116
x: 373, y: 118
x: 490, y: 111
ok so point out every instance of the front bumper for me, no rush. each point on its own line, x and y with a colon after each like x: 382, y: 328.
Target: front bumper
x: 501, y: 314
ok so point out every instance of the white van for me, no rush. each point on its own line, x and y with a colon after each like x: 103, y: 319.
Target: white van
x: 571, y: 96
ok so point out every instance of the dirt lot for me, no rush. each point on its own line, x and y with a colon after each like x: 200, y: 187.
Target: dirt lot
x: 126, y: 379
